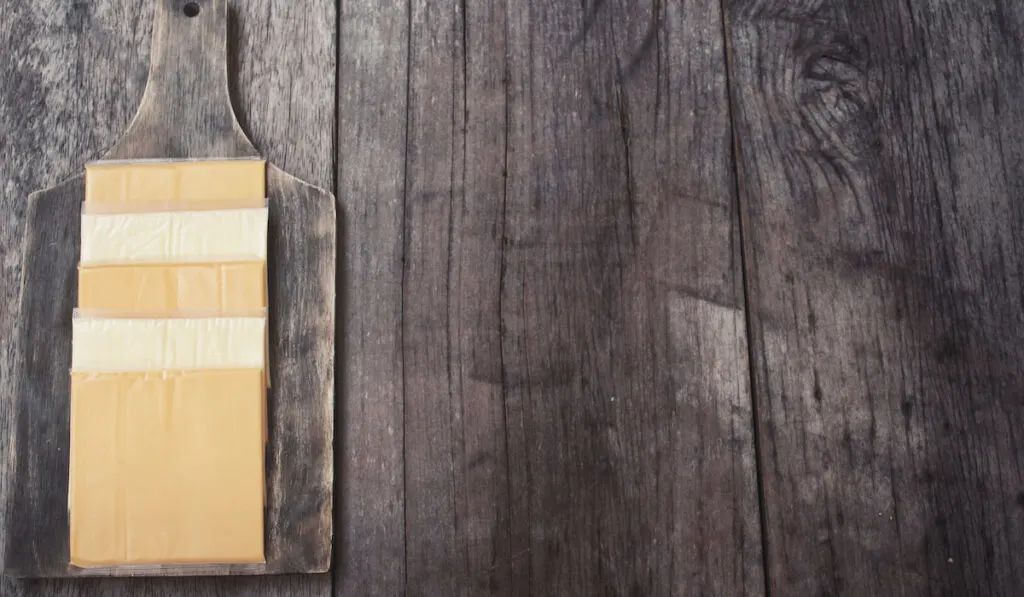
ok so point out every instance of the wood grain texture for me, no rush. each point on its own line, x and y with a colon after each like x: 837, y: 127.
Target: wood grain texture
x: 372, y: 91
x: 107, y: 46
x: 624, y: 349
x: 457, y: 486
x: 185, y: 110
x: 544, y: 286
x: 880, y: 154
x: 434, y: 459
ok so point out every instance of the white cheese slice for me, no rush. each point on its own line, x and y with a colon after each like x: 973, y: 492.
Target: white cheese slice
x: 175, y: 237
x: 115, y: 344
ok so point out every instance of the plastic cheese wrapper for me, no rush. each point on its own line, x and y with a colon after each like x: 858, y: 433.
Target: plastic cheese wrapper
x: 110, y: 340
x: 181, y: 184
x: 166, y: 469
x: 151, y: 206
x: 175, y: 236
x: 97, y: 333
x: 116, y: 344
x: 173, y: 290
x: 113, y: 340
x: 174, y: 263
x: 169, y: 367
x: 168, y: 437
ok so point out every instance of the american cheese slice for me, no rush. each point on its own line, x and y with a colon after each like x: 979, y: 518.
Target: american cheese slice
x: 174, y: 237
x: 168, y: 182
x: 120, y: 345
x: 164, y: 290
x: 166, y: 467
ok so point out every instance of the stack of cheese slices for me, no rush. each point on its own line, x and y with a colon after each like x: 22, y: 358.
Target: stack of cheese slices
x: 169, y: 365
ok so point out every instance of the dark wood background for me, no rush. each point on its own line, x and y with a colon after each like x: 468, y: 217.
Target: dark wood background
x: 640, y: 297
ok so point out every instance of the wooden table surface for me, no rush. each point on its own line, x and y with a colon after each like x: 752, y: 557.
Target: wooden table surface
x: 640, y: 297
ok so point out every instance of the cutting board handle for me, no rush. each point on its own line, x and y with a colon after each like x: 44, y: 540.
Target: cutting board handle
x: 186, y: 109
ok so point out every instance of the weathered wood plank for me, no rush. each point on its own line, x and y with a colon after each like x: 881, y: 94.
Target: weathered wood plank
x: 372, y: 98
x: 569, y: 366
x: 484, y: 515
x: 457, y: 515
x: 623, y: 354
x: 78, y: 72
x: 185, y: 110
x: 434, y: 459
x: 879, y: 147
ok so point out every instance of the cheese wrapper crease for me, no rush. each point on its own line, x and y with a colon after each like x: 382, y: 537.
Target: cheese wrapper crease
x: 119, y: 185
x: 117, y: 345
x: 166, y: 467
x: 155, y: 290
x: 174, y: 237
x: 169, y: 366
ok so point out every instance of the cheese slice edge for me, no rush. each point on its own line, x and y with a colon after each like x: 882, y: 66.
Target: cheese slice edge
x: 174, y: 237
x: 159, y: 290
x: 166, y: 468
x: 103, y: 344
x: 174, y: 182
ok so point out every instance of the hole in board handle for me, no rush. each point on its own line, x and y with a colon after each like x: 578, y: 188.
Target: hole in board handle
x: 191, y: 9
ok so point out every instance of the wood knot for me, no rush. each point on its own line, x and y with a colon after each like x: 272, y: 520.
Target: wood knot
x: 832, y: 92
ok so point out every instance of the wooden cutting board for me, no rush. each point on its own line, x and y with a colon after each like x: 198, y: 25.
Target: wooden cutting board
x: 185, y: 114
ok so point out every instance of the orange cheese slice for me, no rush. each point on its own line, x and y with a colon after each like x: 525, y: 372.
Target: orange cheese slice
x: 137, y: 184
x: 162, y: 290
x: 175, y: 290
x: 166, y: 467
